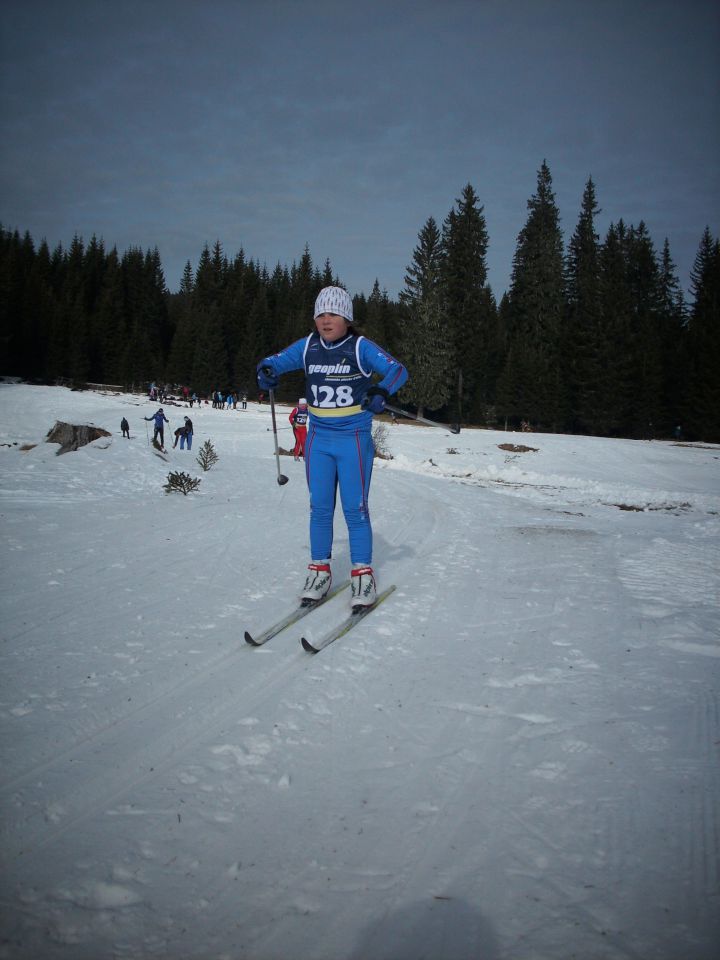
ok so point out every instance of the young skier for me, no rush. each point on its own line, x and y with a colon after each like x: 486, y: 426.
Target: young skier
x: 339, y: 365
x: 125, y: 427
x: 159, y: 419
x: 298, y: 419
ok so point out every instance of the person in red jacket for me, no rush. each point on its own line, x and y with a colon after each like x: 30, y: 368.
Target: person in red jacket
x: 298, y: 418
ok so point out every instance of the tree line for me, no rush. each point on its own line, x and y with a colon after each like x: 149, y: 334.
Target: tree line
x: 595, y: 337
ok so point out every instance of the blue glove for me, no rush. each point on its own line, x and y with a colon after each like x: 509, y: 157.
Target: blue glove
x: 375, y: 399
x: 266, y: 378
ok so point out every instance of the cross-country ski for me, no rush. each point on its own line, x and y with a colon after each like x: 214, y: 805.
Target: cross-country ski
x: 345, y: 626
x: 292, y: 617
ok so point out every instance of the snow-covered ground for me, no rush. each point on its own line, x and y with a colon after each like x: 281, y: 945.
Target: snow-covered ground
x: 513, y: 758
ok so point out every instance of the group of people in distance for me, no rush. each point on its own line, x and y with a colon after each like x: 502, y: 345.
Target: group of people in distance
x: 183, y: 434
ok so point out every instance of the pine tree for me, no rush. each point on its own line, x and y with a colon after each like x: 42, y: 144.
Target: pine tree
x: 305, y: 285
x: 43, y: 308
x: 328, y: 280
x: 210, y: 369
x: 19, y: 317
x: 257, y: 341
x: 57, y: 341
x: 182, y: 348
x: 583, y: 346
x: 469, y: 309
x: 207, y: 456
x: 704, y: 343
x: 94, y: 267
x: 374, y: 326
x: 425, y: 346
x: 73, y: 318
x: 646, y: 339
x: 233, y: 311
x: 613, y: 412
x: 146, y: 316
x: 536, y: 311
x: 112, y: 324
x: 180, y: 482
x: 673, y: 327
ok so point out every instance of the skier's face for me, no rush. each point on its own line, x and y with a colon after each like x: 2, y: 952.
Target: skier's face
x: 331, y: 327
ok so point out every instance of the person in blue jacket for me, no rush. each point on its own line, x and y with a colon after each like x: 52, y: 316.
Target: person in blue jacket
x: 159, y: 419
x: 342, y: 391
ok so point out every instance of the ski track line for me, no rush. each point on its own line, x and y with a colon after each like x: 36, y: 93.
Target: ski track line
x: 705, y: 841
x: 140, y: 607
x: 568, y: 892
x: 60, y: 811
x: 29, y: 835
x: 615, y: 945
x: 74, y: 561
x: 427, y: 846
x: 432, y: 831
x: 429, y: 853
x: 429, y: 507
x: 203, y: 675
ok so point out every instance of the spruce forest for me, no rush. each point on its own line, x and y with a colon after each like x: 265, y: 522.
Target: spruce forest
x: 593, y: 336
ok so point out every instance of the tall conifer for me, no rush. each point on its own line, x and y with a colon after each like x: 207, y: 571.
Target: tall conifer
x: 182, y: 348
x: 614, y: 401
x: 536, y: 311
x: 704, y: 342
x: 425, y: 345
x: 469, y: 308
x: 646, y: 341
x: 583, y: 344
x: 673, y: 323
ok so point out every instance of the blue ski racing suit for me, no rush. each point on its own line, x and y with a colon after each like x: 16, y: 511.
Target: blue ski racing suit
x: 339, y: 450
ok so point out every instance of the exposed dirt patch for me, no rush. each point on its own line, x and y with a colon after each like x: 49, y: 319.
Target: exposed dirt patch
x: 517, y: 448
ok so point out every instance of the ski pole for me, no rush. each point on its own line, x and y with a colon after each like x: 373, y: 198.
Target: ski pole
x: 281, y: 478
x: 453, y: 428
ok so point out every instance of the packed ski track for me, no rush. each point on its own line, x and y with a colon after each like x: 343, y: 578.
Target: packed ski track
x: 514, y: 757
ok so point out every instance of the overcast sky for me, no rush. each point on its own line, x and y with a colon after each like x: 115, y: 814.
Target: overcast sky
x: 269, y: 124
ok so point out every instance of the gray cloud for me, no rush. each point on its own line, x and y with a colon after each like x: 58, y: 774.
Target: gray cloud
x: 345, y: 126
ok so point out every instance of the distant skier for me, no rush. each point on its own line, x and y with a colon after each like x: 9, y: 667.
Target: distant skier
x: 160, y: 420
x: 125, y: 427
x: 298, y: 419
x: 187, y: 435
x: 339, y: 365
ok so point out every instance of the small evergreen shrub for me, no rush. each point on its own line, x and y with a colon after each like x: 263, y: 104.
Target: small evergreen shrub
x: 179, y: 482
x: 207, y: 456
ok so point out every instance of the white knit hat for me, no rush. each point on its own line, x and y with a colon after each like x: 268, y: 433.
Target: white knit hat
x: 302, y: 402
x: 334, y: 300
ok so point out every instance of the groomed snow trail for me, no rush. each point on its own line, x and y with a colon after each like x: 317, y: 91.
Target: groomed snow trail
x: 514, y: 757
